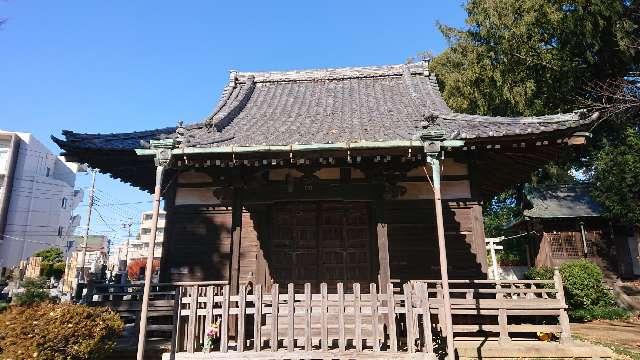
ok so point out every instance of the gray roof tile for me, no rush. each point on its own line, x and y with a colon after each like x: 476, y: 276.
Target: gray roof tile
x: 328, y: 106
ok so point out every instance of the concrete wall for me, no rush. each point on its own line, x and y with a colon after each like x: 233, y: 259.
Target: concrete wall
x: 37, y: 217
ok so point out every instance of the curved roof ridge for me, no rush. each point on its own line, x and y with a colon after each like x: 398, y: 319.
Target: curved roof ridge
x: 224, y: 98
x: 220, y: 119
x: 550, y: 118
x: 332, y: 73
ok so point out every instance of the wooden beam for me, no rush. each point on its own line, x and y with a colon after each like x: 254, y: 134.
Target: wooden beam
x: 384, y: 271
x: 149, y: 269
x: 236, y: 238
x: 444, y: 272
x: 236, y: 231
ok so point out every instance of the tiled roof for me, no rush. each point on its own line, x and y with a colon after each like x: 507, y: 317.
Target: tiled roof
x: 561, y: 201
x: 346, y: 105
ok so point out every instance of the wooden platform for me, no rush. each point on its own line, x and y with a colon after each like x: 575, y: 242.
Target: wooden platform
x: 466, y: 349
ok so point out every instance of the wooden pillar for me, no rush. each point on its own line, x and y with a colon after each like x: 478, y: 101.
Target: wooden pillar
x: 384, y: 272
x: 234, y: 269
x: 444, y: 272
x: 236, y: 231
x: 149, y: 269
x: 565, y: 335
x: 168, y: 237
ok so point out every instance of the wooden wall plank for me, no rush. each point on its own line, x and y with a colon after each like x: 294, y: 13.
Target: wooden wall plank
x: 408, y: 304
x: 341, y: 341
x: 290, y: 317
x: 357, y: 316
x: 307, y: 317
x: 275, y: 299
x: 224, y: 323
x: 257, y: 318
x: 242, y: 307
x: 391, y: 308
x: 373, y: 293
x: 324, y: 338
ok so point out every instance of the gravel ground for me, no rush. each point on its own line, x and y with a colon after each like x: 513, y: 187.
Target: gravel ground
x: 621, y: 336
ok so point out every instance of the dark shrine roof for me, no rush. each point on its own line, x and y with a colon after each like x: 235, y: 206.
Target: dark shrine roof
x: 561, y: 201
x: 346, y: 105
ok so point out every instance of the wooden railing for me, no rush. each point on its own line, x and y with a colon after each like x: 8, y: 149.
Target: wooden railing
x: 505, y: 306
x: 298, y: 323
x: 308, y: 324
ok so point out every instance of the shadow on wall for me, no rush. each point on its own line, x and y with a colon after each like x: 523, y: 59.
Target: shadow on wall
x: 198, y: 247
x: 413, y: 242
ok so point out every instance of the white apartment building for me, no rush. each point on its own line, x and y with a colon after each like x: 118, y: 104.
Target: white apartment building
x: 145, y: 234
x: 37, y: 198
x: 138, y: 247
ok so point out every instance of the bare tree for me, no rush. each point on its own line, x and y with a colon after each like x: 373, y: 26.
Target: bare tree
x: 615, y: 98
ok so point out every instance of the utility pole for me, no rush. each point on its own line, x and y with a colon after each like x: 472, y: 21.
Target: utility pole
x: 124, y: 271
x: 86, y: 231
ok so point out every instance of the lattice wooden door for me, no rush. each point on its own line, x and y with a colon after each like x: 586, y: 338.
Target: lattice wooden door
x: 321, y: 242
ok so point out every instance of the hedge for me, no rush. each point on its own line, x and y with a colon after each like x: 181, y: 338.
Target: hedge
x: 587, y: 297
x: 57, y: 332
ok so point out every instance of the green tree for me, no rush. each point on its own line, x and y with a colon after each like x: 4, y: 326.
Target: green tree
x: 535, y: 57
x: 35, y: 291
x: 617, y: 178
x: 50, y: 255
x: 52, y: 262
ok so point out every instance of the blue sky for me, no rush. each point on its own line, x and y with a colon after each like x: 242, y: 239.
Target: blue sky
x: 115, y: 66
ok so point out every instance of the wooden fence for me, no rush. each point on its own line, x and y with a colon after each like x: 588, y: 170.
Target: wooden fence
x: 345, y: 321
x: 505, y: 306
x: 401, y: 321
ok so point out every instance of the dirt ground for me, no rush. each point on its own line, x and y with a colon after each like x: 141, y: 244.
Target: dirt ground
x: 623, y: 337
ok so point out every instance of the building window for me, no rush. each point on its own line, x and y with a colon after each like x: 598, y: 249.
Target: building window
x: 160, y: 231
x: 145, y: 231
x: 60, y: 231
x: 147, y: 217
x: 48, y: 172
x: 4, y: 155
x: 64, y: 202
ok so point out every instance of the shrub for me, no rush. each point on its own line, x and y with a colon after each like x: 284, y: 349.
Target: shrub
x: 588, y: 299
x: 58, y: 331
x: 52, y: 262
x: 539, y: 273
x: 50, y: 270
x: 583, y: 285
x: 3, y: 306
x: 35, y: 291
x: 603, y: 313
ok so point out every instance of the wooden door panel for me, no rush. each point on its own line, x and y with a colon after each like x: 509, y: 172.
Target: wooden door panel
x: 321, y: 242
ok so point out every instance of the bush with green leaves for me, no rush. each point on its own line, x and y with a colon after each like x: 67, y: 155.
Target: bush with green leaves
x: 587, y: 297
x: 58, y: 331
x: 539, y: 273
x: 583, y: 285
x: 53, y: 265
x: 603, y: 312
x: 35, y: 291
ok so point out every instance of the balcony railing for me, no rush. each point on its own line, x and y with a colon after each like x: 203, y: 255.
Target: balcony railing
x: 292, y: 322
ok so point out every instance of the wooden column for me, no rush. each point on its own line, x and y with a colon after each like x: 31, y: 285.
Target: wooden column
x: 236, y: 231
x: 384, y: 272
x: 444, y: 272
x: 149, y: 269
x: 236, y: 239
x: 565, y: 335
